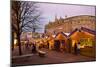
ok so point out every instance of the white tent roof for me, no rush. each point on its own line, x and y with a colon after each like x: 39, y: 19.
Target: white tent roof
x: 67, y: 34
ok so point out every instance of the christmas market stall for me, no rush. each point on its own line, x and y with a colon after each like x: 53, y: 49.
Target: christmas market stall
x: 86, y: 40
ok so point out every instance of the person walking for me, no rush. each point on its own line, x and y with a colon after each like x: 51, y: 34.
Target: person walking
x: 34, y: 48
x: 75, y: 49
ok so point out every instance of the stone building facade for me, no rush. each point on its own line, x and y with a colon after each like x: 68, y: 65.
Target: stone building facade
x: 68, y: 24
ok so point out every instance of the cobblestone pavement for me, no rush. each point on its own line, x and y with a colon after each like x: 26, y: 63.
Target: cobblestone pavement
x: 52, y: 57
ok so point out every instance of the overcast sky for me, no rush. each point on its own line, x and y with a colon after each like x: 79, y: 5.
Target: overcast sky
x: 50, y: 10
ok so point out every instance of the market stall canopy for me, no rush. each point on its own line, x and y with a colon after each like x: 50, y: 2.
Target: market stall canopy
x: 82, y: 33
x: 61, y: 36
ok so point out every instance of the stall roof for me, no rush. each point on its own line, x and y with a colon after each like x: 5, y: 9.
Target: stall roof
x: 88, y: 30
x: 61, y: 33
x: 83, y: 29
x: 67, y: 34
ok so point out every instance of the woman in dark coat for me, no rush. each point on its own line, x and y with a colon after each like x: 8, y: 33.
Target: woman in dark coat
x: 34, y: 48
x: 75, y: 49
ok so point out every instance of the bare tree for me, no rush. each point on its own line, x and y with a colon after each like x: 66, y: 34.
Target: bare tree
x: 27, y: 17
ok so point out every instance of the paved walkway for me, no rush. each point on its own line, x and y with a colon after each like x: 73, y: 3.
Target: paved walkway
x: 50, y: 58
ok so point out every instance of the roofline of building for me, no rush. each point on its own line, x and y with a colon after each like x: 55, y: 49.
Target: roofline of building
x: 79, y: 16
